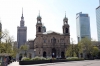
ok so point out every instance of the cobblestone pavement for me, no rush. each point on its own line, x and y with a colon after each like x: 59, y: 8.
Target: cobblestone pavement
x: 73, y: 63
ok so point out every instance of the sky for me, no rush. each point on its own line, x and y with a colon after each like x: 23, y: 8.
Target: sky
x: 52, y: 13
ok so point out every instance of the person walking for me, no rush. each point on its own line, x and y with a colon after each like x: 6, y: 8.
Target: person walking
x: 5, y: 61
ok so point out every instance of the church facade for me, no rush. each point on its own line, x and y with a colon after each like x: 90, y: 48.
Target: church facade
x: 51, y: 43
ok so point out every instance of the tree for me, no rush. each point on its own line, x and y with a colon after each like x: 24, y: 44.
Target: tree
x: 15, y: 51
x: 24, y: 47
x: 6, y: 44
x: 86, y: 47
x: 95, y: 51
x: 72, y: 50
x: 69, y: 51
x: 76, y: 50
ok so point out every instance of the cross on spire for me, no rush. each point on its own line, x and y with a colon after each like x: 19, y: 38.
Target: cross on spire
x: 65, y: 13
x: 39, y: 12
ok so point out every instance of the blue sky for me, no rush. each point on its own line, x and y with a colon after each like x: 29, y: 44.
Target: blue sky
x: 52, y: 13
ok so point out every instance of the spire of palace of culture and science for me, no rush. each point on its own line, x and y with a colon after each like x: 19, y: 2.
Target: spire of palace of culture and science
x: 21, y: 32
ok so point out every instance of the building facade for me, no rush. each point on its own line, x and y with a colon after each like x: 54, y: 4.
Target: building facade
x: 21, y: 32
x: 51, y: 43
x: 98, y: 21
x: 83, y: 26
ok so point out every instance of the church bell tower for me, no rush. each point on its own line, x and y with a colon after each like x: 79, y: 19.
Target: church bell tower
x: 66, y: 26
x: 39, y: 25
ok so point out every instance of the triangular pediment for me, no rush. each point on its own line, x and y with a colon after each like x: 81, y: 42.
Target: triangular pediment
x: 52, y: 32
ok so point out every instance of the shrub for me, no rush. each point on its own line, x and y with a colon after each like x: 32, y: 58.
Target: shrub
x: 53, y: 58
x: 25, y: 59
x: 74, y: 58
x: 42, y: 58
x: 48, y: 58
x: 36, y: 58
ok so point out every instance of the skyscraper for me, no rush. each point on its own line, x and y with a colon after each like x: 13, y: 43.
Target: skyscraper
x: 21, y: 32
x: 0, y: 31
x: 83, y: 26
x: 98, y: 21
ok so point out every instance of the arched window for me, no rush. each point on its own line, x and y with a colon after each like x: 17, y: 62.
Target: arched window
x: 53, y: 40
x: 44, y: 54
x: 66, y: 30
x: 39, y: 29
x: 65, y: 22
x: 44, y: 40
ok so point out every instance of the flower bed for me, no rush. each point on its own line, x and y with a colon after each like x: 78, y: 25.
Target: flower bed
x: 40, y: 60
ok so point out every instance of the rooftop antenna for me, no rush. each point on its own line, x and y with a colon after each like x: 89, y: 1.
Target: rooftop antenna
x: 22, y: 11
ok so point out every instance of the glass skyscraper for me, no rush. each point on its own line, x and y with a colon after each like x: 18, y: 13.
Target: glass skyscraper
x: 98, y: 21
x: 83, y: 26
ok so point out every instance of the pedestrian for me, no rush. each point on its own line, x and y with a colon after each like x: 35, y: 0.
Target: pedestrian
x: 5, y: 61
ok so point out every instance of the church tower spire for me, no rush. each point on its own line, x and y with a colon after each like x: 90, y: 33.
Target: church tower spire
x: 65, y: 14
x: 39, y: 18
x: 39, y: 12
x: 39, y: 29
x: 65, y: 26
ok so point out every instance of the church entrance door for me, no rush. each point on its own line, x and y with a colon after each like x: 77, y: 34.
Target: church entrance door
x: 54, y: 53
x: 62, y: 54
x: 44, y: 54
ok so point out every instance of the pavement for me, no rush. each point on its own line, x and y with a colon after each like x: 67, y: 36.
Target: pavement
x: 71, y: 63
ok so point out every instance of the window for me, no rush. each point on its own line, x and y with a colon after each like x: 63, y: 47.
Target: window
x: 66, y: 30
x: 44, y: 41
x: 53, y: 40
x: 48, y: 41
x: 39, y: 29
x: 39, y: 52
x: 65, y: 22
x: 62, y: 40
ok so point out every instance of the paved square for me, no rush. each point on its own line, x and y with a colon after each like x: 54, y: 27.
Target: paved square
x: 73, y: 63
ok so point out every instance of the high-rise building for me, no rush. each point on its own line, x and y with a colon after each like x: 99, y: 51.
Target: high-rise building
x: 83, y: 26
x: 98, y: 21
x: 0, y: 31
x: 21, y: 32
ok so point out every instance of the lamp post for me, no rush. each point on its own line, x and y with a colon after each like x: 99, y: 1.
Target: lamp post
x: 72, y: 50
x: 34, y: 52
x: 72, y: 46
x: 25, y: 53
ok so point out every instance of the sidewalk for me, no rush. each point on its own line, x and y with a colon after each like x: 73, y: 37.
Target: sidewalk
x: 14, y: 64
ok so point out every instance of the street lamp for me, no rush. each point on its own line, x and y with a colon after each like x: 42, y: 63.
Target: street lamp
x: 34, y: 52
x: 72, y: 46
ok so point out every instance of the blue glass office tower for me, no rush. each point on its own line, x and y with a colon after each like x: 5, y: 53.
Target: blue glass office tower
x: 98, y: 21
x: 83, y: 26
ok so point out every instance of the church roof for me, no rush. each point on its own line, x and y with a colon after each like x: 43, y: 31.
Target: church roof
x: 49, y: 32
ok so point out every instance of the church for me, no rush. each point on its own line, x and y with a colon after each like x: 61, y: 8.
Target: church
x: 47, y: 43
x: 51, y: 43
